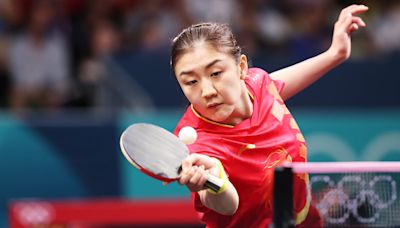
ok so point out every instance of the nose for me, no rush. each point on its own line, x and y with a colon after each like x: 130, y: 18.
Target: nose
x: 208, y: 90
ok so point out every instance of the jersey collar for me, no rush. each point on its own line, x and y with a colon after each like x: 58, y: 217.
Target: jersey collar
x: 198, y: 115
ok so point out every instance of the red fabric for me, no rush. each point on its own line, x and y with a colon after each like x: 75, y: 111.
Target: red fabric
x: 277, y: 139
x: 101, y: 213
x: 313, y: 219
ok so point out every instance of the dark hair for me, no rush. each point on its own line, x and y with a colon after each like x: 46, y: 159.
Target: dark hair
x: 219, y: 36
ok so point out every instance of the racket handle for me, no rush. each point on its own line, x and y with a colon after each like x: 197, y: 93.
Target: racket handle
x: 214, y: 183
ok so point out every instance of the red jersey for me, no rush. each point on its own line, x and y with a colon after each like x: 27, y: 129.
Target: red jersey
x: 249, y: 151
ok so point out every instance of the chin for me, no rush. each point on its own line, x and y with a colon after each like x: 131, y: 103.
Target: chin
x: 219, y: 120
x: 220, y: 117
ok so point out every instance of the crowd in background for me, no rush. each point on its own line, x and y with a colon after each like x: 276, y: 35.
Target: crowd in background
x: 51, y: 51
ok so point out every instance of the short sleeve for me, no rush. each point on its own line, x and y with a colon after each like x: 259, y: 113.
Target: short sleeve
x: 279, y: 84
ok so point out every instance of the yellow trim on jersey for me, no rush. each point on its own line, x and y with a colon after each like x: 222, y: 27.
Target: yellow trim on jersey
x: 251, y: 95
x: 302, y: 215
x: 214, y: 122
x: 247, y: 147
x: 208, y: 120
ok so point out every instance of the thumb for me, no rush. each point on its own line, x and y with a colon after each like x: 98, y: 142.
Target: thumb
x: 186, y: 164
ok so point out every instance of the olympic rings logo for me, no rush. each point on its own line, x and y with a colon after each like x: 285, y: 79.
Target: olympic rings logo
x: 353, y: 195
x: 338, y: 149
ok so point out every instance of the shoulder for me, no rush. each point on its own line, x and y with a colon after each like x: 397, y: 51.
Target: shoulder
x: 257, y: 79
x: 256, y: 74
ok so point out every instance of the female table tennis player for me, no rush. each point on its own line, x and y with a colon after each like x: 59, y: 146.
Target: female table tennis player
x: 244, y: 128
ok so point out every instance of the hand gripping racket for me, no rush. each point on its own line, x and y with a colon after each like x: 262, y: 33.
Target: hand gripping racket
x: 158, y: 153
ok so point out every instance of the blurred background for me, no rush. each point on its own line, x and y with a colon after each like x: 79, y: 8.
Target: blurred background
x: 75, y: 73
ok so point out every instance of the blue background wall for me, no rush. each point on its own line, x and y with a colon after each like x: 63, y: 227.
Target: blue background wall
x: 351, y: 114
x: 371, y: 82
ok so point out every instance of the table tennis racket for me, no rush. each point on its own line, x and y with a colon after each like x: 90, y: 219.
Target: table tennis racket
x: 158, y: 153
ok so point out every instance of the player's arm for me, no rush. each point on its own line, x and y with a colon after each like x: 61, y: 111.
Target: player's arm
x: 297, y: 77
x: 195, y: 170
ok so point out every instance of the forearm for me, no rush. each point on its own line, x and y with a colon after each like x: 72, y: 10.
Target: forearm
x: 225, y: 203
x: 303, y: 74
x: 299, y: 76
x: 196, y: 170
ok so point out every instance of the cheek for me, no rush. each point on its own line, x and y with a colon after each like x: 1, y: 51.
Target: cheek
x: 190, y: 94
x: 230, y: 89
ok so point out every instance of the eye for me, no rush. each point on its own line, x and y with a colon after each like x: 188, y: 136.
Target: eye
x: 216, y: 74
x: 190, y: 83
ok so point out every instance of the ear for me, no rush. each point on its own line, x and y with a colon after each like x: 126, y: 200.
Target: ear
x: 243, y: 67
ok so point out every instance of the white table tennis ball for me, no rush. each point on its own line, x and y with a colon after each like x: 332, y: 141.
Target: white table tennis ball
x: 187, y: 135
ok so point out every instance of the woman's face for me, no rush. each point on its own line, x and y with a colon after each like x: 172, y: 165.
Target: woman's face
x: 212, y: 81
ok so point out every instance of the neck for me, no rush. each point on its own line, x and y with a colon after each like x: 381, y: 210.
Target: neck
x: 245, y: 107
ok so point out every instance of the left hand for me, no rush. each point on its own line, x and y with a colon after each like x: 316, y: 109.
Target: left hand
x: 347, y: 23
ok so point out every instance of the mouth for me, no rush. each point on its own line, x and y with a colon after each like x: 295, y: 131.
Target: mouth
x: 213, y: 105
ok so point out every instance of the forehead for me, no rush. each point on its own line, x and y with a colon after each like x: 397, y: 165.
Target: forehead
x: 199, y: 56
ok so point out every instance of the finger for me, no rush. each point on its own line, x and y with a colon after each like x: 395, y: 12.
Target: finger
x: 359, y: 21
x: 192, y: 171
x: 185, y: 176
x: 355, y: 24
x: 359, y: 10
x: 352, y: 19
x: 183, y: 179
x: 353, y: 28
x: 343, y: 14
x: 197, y: 175
x: 200, y: 159
x: 353, y: 10
x: 346, y: 25
x: 344, y: 22
x: 187, y: 164
x: 204, y: 177
x: 201, y: 177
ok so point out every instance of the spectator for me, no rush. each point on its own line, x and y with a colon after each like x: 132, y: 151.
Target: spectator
x: 385, y: 28
x: 92, y: 73
x: 39, y: 61
x: 311, y: 25
x: 152, y: 24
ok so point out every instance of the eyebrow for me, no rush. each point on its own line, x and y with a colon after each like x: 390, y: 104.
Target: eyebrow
x: 207, y: 66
